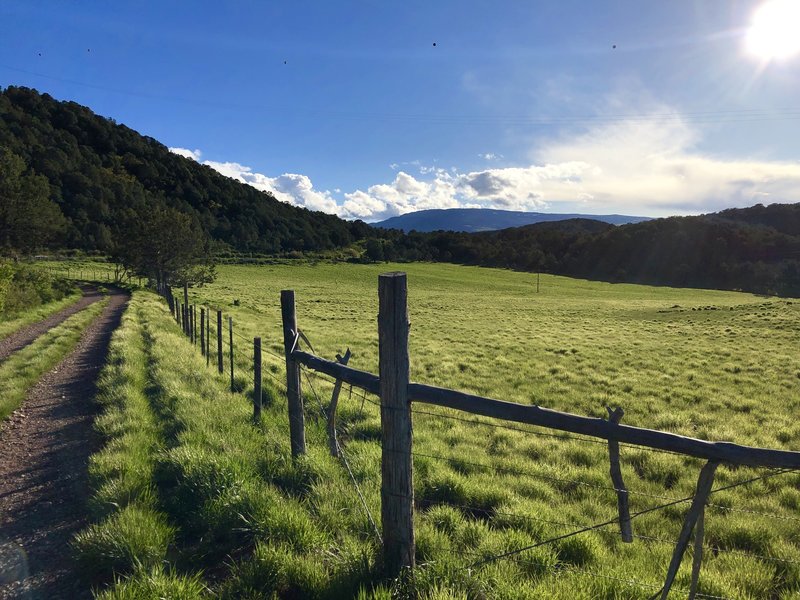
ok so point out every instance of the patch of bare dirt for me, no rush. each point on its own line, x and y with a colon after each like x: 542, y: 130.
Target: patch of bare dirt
x: 44, y: 454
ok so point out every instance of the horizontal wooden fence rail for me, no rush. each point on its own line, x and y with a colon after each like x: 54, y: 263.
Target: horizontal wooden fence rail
x: 562, y: 421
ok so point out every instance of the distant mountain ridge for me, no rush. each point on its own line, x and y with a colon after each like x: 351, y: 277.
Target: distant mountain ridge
x: 473, y: 220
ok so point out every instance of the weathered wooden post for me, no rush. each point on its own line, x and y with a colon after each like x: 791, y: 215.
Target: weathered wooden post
x: 333, y: 443
x: 397, y: 491
x: 202, y: 331
x: 219, y: 341
x: 208, y: 338
x: 230, y: 346
x: 256, y: 378
x: 191, y: 324
x: 297, y: 425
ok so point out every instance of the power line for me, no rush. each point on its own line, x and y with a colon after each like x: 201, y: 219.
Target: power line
x: 699, y: 116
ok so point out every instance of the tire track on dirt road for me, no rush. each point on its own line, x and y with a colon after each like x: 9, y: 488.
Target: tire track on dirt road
x: 28, y: 334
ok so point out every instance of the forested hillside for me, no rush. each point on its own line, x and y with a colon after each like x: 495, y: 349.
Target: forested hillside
x: 103, y: 175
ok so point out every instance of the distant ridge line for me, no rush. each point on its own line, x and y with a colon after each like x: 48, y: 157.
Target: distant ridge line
x: 488, y: 219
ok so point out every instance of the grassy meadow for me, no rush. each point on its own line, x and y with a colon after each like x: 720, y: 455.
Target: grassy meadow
x: 233, y: 516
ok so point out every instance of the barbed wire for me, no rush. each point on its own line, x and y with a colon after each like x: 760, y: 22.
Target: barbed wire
x: 616, y: 519
x: 712, y: 548
x: 345, y: 461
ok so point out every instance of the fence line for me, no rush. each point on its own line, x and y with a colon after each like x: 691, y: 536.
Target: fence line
x: 398, y: 397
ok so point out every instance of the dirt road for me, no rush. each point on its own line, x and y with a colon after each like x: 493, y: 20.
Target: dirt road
x: 43, y: 469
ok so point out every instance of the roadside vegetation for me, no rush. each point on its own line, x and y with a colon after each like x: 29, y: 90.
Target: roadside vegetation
x: 29, y: 293
x: 229, y: 514
x: 25, y: 367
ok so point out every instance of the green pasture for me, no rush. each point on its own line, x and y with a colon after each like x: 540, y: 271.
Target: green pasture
x: 716, y: 365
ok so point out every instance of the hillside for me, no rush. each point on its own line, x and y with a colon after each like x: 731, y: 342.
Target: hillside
x: 486, y: 219
x: 102, y: 174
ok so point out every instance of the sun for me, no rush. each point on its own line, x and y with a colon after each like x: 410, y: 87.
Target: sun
x: 775, y: 32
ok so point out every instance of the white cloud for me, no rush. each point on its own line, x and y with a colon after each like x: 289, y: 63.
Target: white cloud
x: 291, y: 188
x: 186, y: 153
x: 490, y: 156
x: 642, y: 165
x: 653, y: 167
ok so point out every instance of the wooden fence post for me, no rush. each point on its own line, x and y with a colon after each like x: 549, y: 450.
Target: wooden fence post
x: 208, y: 337
x: 230, y: 346
x: 219, y: 341
x: 202, y: 331
x: 256, y: 378
x: 614, y: 416
x: 333, y: 443
x: 191, y: 324
x: 297, y: 425
x: 397, y: 491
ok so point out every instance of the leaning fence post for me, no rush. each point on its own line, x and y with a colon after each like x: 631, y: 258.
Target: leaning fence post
x: 219, y: 341
x: 397, y: 492
x: 614, y: 416
x: 297, y: 426
x: 333, y: 443
x: 704, y: 483
x: 256, y: 377
x: 230, y: 346
x: 202, y: 331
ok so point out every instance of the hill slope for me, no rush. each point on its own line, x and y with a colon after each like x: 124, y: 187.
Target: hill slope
x: 486, y: 219
x: 102, y: 174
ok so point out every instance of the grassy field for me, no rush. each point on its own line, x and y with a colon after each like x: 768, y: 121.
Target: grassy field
x: 24, y: 368
x: 716, y: 365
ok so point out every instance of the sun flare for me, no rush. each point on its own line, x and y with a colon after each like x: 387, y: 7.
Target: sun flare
x: 775, y: 32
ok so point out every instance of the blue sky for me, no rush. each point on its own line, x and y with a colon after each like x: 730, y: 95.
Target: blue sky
x: 638, y: 107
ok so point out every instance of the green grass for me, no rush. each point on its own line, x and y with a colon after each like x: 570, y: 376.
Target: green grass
x: 20, y: 320
x: 717, y: 365
x: 23, y: 369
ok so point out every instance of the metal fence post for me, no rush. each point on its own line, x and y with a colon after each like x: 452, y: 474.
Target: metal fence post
x: 219, y: 341
x: 256, y: 377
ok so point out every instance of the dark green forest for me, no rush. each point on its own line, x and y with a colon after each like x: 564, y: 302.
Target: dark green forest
x: 72, y: 179
x: 103, y: 176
